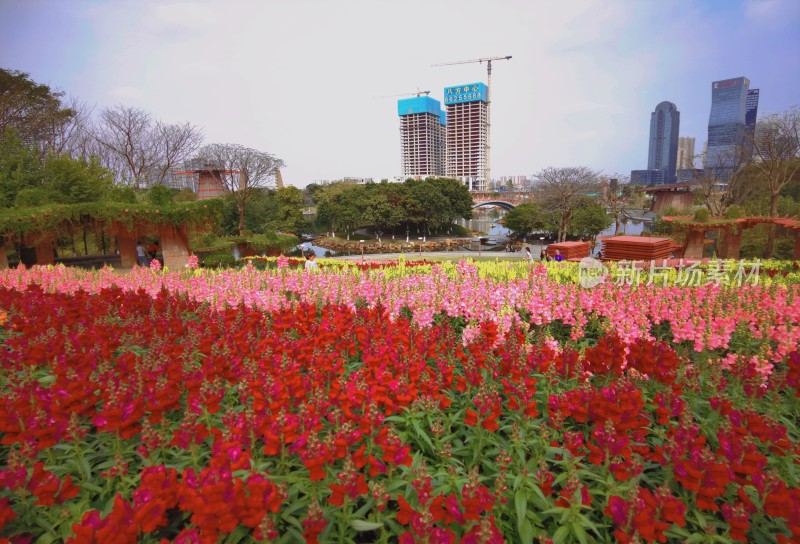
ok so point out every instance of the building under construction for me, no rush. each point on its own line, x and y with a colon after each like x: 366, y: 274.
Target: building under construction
x: 422, y: 137
x: 467, y: 134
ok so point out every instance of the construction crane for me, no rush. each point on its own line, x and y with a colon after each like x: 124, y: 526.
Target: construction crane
x: 417, y: 93
x: 488, y: 61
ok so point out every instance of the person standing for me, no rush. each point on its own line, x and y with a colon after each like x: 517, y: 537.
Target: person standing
x: 152, y: 249
x: 141, y: 254
x: 311, y: 262
x: 528, y: 254
x: 558, y: 257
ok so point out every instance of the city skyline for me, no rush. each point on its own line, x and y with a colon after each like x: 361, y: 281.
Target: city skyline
x: 298, y: 79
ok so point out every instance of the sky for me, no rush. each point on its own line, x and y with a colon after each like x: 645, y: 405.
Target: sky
x: 300, y: 78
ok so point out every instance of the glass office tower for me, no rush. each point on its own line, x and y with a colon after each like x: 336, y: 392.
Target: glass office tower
x: 726, y: 125
x: 665, y: 123
x: 751, y: 110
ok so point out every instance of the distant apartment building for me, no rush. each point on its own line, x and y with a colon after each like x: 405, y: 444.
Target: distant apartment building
x: 662, y: 156
x: 689, y: 175
x: 647, y: 177
x: 467, y: 133
x: 515, y: 183
x: 731, y: 100
x: 422, y: 137
x: 685, y: 153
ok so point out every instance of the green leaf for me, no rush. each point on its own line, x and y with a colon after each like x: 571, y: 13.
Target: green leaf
x: 579, y: 533
x: 237, y: 535
x: 422, y: 435
x: 555, y: 510
x: 91, y: 487
x: 526, y: 532
x: 363, y: 525
x: 542, y: 502
x: 561, y: 535
x: 521, y: 504
x: 46, y: 538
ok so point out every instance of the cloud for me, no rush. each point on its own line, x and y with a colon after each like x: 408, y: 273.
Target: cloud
x: 128, y: 94
x: 185, y: 14
x: 772, y: 12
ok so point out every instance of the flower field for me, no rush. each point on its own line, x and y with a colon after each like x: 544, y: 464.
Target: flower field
x: 409, y: 403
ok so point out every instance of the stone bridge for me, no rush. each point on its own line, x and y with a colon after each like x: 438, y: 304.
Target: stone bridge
x: 506, y: 201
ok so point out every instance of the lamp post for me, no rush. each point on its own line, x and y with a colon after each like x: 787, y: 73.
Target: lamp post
x: 361, y: 243
x: 420, y: 246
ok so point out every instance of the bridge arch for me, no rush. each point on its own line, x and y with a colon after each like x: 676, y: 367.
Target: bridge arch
x: 499, y: 203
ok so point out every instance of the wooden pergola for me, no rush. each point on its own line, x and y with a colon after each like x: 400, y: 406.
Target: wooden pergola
x: 39, y: 228
x: 678, y: 197
x: 730, y: 245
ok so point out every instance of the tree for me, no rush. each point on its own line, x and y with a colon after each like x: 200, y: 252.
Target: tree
x: 387, y: 205
x: 242, y: 171
x: 34, y: 110
x: 174, y: 144
x: 727, y: 182
x: 71, y: 181
x: 126, y: 133
x: 260, y: 216
x: 159, y: 195
x: 617, y: 201
x: 428, y: 207
x: 775, y: 146
x: 140, y: 149
x: 589, y: 220
x: 28, y: 178
x: 20, y: 167
x: 185, y: 195
x: 309, y: 193
x: 525, y: 218
x: 290, y: 210
x: 562, y: 190
x: 458, y: 197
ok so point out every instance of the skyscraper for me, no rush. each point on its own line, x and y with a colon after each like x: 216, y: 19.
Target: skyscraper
x: 685, y: 152
x: 467, y: 130
x: 726, y: 124
x: 665, y: 124
x: 751, y: 111
x: 422, y: 137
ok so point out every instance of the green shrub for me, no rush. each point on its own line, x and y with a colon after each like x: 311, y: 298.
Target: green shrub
x: 217, y: 259
x: 702, y: 215
x: 734, y: 212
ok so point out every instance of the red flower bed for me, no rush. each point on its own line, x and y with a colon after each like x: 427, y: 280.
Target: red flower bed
x: 127, y: 418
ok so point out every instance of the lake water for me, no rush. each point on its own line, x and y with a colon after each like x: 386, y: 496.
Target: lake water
x: 318, y: 251
x: 487, y: 223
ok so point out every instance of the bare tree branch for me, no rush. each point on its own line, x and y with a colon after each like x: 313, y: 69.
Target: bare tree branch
x: 69, y: 135
x: 242, y: 171
x: 728, y: 181
x: 615, y: 200
x: 775, y: 146
x: 562, y: 190
x: 174, y: 144
x: 127, y: 132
